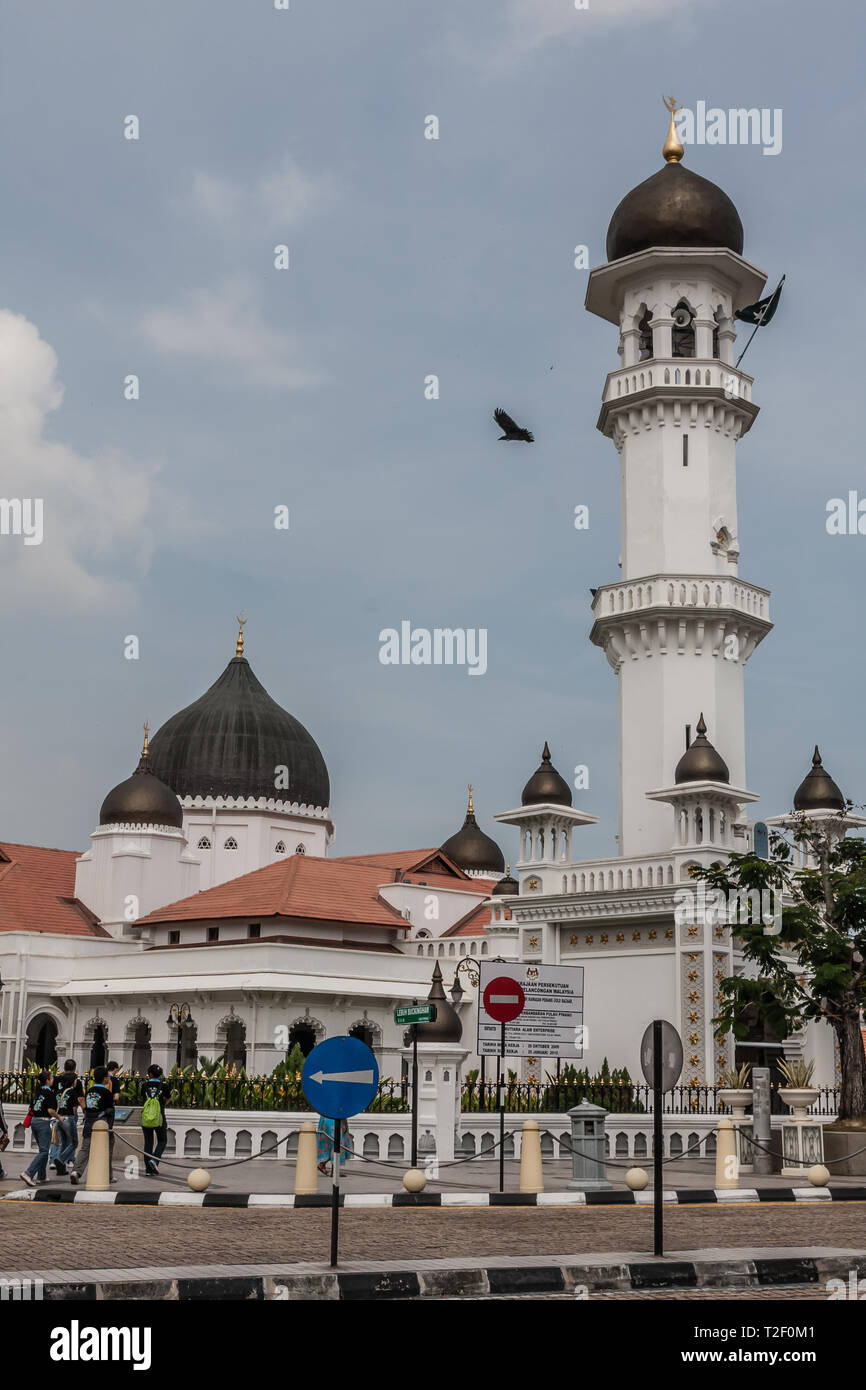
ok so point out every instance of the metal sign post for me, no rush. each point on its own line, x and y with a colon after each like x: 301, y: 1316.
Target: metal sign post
x: 413, y: 1014
x: 503, y: 1000
x: 661, y: 1060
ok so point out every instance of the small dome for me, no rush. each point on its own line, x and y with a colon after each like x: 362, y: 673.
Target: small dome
x: 141, y: 800
x: 701, y: 762
x: 472, y: 849
x: 545, y: 786
x: 818, y: 791
x: 447, y: 1028
x: 674, y: 207
x: 507, y: 887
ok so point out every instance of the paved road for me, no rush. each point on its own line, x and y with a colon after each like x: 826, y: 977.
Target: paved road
x: 75, y: 1236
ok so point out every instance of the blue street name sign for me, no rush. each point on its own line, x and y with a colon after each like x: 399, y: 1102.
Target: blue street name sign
x: 340, y: 1077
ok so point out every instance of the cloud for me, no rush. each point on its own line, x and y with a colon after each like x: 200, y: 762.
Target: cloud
x: 95, y: 540
x: 225, y: 327
x: 274, y: 203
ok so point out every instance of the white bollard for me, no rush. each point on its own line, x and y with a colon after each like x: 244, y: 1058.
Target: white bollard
x: 727, y: 1164
x: 97, y: 1160
x: 306, y: 1176
x: 818, y: 1175
x: 531, y: 1172
x: 414, y: 1180
x: 637, y: 1179
x: 199, y: 1180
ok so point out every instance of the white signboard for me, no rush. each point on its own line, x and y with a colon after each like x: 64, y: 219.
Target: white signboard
x: 551, y: 1023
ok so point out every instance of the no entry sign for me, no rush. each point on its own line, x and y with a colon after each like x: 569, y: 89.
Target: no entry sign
x: 503, y: 999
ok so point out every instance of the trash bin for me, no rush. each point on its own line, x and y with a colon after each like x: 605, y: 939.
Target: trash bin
x: 587, y: 1148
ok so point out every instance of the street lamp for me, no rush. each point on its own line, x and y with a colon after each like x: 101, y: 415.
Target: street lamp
x: 473, y: 973
x: 181, y: 1016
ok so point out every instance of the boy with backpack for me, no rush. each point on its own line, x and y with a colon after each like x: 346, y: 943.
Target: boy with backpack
x: 70, y: 1097
x: 98, y: 1105
x: 154, y: 1126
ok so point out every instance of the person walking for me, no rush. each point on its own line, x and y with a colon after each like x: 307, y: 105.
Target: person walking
x: 98, y: 1105
x: 154, y: 1126
x: 4, y: 1139
x: 43, y: 1110
x: 70, y: 1099
x: 325, y: 1143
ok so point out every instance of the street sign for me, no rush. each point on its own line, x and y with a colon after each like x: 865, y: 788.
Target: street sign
x: 415, y: 1013
x: 340, y: 1077
x: 550, y: 1023
x: 503, y: 999
x: 672, y: 1056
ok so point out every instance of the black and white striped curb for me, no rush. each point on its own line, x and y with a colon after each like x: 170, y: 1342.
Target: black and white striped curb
x: 563, y: 1277
x: 693, y: 1196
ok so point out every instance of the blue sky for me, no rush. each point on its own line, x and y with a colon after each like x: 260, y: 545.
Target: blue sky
x: 306, y: 387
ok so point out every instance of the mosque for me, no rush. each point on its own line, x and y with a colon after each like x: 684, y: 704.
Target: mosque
x: 207, y: 913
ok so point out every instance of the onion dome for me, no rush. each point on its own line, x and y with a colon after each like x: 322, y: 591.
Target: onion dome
x: 818, y: 791
x: 701, y: 762
x: 546, y: 786
x: 474, y: 851
x: 447, y: 1028
x: 507, y: 887
x: 142, y: 799
x: 674, y: 207
x: 232, y: 741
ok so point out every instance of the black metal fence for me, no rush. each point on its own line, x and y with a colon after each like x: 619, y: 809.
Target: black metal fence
x: 625, y: 1099
x: 201, y: 1092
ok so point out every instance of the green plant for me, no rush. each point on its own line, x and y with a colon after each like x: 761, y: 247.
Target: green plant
x: 737, y: 1079
x: 797, y: 1074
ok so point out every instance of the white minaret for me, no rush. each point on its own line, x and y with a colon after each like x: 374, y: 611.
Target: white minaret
x: 680, y: 624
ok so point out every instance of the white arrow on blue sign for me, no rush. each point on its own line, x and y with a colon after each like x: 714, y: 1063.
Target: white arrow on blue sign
x: 340, y: 1077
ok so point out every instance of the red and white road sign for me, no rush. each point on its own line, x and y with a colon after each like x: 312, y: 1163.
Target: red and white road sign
x: 504, y: 999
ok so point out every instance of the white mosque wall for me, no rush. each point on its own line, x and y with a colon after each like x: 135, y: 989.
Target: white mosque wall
x: 232, y: 837
x: 131, y: 870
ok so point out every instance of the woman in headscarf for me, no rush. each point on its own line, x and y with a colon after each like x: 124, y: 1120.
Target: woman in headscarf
x: 325, y: 1143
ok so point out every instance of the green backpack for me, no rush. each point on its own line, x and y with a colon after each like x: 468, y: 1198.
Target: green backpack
x: 151, y: 1113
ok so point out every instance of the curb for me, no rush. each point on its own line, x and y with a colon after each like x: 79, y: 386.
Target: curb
x: 580, y: 1281
x: 686, y: 1197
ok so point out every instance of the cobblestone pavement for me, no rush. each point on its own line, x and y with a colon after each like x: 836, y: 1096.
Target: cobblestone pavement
x: 127, y: 1237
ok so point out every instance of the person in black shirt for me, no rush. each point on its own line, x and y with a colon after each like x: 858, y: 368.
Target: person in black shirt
x: 43, y: 1110
x: 70, y: 1099
x: 155, y: 1088
x: 98, y: 1105
x: 113, y: 1079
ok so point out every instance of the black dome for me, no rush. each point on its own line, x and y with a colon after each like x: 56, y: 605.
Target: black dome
x: 447, y: 1028
x: 818, y: 791
x: 701, y: 762
x: 141, y: 800
x: 507, y: 887
x: 472, y: 849
x: 546, y: 786
x: 231, y: 741
x: 674, y: 207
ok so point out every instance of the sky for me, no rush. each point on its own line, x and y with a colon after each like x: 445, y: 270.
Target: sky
x: 304, y: 388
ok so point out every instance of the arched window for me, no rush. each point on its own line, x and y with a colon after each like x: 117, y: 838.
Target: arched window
x: 368, y: 1031
x: 280, y: 847
x: 645, y: 340
x: 188, y: 1044
x: 302, y: 1035
x: 230, y: 843
x: 300, y: 849
x: 138, y: 1033
x: 683, y: 332
x: 41, y: 1044
x: 236, y: 1046
x: 98, y: 1050
x: 204, y: 843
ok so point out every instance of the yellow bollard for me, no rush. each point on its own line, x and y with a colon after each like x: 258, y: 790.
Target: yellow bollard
x: 727, y: 1164
x: 531, y: 1175
x: 97, y: 1160
x: 306, y: 1178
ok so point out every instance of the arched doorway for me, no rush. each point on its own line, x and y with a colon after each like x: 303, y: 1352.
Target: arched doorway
x: 762, y: 1047
x: 99, y: 1047
x: 236, y: 1044
x: 139, y: 1034
x: 41, y: 1042
x: 302, y: 1035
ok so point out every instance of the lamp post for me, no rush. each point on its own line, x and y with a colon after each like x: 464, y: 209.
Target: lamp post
x: 180, y: 1015
x: 473, y: 974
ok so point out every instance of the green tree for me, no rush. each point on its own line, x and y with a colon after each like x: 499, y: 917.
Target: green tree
x: 823, y: 927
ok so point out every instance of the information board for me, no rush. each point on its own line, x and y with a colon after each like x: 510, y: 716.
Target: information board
x: 550, y: 1023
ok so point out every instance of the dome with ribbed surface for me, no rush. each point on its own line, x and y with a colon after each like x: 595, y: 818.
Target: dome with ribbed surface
x: 674, y: 207
x: 232, y: 741
x: 545, y: 786
x: 447, y: 1028
x: 818, y: 791
x: 474, y: 851
x: 701, y: 762
x: 507, y: 887
x: 141, y: 800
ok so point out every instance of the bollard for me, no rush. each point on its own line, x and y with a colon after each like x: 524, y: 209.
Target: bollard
x: 414, y: 1180
x: 306, y: 1179
x: 727, y: 1164
x: 198, y: 1180
x: 818, y: 1175
x: 531, y: 1172
x: 97, y: 1162
x: 637, y: 1179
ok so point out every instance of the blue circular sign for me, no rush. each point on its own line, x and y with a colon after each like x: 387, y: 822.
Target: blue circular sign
x: 340, y: 1077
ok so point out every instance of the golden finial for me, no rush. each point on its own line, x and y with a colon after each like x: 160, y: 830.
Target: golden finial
x: 672, y: 149
x: 242, y: 622
x: 470, y: 810
x: 146, y: 728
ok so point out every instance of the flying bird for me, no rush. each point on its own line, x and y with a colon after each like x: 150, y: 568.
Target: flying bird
x: 510, y: 429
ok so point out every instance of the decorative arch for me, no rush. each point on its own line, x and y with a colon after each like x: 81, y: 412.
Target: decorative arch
x: 280, y: 847
x: 367, y: 1030
x: 96, y: 1034
x: 138, y: 1034
x: 305, y: 1032
x: 231, y: 1032
x: 40, y: 1044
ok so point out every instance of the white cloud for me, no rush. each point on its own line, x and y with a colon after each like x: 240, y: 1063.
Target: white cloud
x: 225, y: 326
x: 274, y: 203
x: 95, y: 540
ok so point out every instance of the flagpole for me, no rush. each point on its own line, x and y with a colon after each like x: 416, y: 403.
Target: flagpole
x: 760, y: 321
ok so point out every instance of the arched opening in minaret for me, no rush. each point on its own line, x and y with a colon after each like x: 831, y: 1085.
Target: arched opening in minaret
x: 645, y: 335
x: 683, y: 332
x: 717, y: 315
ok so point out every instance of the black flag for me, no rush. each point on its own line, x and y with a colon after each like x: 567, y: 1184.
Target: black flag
x: 761, y: 312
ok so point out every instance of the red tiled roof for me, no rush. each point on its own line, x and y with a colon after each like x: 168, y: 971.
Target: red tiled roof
x: 414, y: 861
x: 37, y: 892
x: 474, y: 922
x: 304, y: 885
